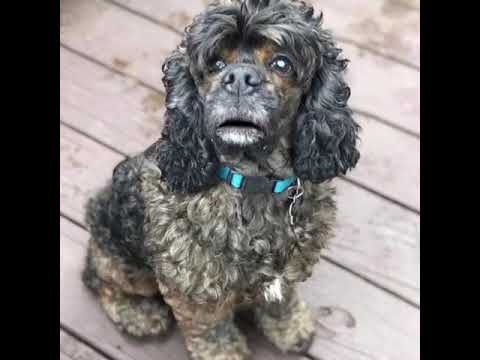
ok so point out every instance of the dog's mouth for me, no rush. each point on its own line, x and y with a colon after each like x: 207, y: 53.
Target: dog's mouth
x: 240, y: 131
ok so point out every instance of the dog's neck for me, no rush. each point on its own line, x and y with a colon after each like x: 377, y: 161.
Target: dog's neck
x: 278, y: 163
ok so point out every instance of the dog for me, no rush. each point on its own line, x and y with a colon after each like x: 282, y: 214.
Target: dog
x: 233, y: 204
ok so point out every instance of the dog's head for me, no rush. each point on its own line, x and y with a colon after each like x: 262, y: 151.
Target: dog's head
x: 247, y: 73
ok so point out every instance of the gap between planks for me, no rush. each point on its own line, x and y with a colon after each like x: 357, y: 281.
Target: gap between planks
x: 391, y: 200
x: 375, y: 52
x: 340, y: 38
x: 84, y: 342
x: 369, y: 281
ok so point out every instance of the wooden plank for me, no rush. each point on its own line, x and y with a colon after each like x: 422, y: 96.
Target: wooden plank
x: 81, y: 311
x: 118, y: 38
x: 72, y: 349
x: 377, y: 240
x: 388, y: 27
x: 112, y: 107
x: 102, y: 104
x: 385, y: 328
x: 97, y: 99
x: 358, y: 321
x: 384, y: 89
x: 389, y: 163
x: 81, y: 173
x: 384, y: 26
x: 138, y: 47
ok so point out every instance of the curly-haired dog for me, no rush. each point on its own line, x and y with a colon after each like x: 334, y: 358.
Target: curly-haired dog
x: 232, y: 205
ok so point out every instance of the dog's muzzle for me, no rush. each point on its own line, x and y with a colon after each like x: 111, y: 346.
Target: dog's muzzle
x: 238, y: 131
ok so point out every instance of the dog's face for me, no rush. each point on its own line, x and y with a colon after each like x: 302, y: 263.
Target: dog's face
x: 251, y: 95
x: 247, y: 73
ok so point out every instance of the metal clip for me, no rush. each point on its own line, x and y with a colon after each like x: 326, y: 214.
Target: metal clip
x: 297, y: 194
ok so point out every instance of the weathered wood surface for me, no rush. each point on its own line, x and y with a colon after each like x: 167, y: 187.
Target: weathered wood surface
x: 85, y: 167
x: 382, y: 26
x: 377, y: 239
x: 337, y: 295
x: 138, y: 47
x: 73, y: 349
x: 386, y: 27
x: 412, y: 4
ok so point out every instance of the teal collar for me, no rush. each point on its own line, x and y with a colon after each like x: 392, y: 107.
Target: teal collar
x: 255, y: 184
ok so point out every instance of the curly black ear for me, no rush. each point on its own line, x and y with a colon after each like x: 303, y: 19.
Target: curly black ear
x: 326, y: 135
x: 185, y: 155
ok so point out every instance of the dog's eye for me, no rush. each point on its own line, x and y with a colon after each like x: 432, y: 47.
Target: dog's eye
x: 217, y: 65
x: 282, y: 65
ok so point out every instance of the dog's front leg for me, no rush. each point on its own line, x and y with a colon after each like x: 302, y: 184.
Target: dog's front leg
x: 208, y: 329
x: 287, y: 322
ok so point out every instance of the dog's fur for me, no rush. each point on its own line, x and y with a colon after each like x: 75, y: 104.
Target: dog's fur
x: 168, y: 237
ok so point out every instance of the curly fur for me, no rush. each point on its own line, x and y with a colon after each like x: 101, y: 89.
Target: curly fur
x: 326, y: 134
x: 165, y: 217
x: 185, y: 156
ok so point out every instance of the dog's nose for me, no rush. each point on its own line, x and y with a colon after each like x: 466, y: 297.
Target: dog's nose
x: 241, y: 80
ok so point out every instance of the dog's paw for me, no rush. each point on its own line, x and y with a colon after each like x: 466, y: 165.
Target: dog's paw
x: 293, y: 333
x: 225, y: 342
x: 135, y: 315
x: 236, y: 350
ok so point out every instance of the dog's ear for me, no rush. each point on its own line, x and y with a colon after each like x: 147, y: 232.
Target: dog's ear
x: 185, y: 155
x: 326, y: 135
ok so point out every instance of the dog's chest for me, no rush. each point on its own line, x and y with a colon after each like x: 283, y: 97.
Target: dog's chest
x: 218, y: 241
x: 209, y: 244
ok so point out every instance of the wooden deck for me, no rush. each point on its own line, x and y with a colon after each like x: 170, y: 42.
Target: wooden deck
x: 366, y: 289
